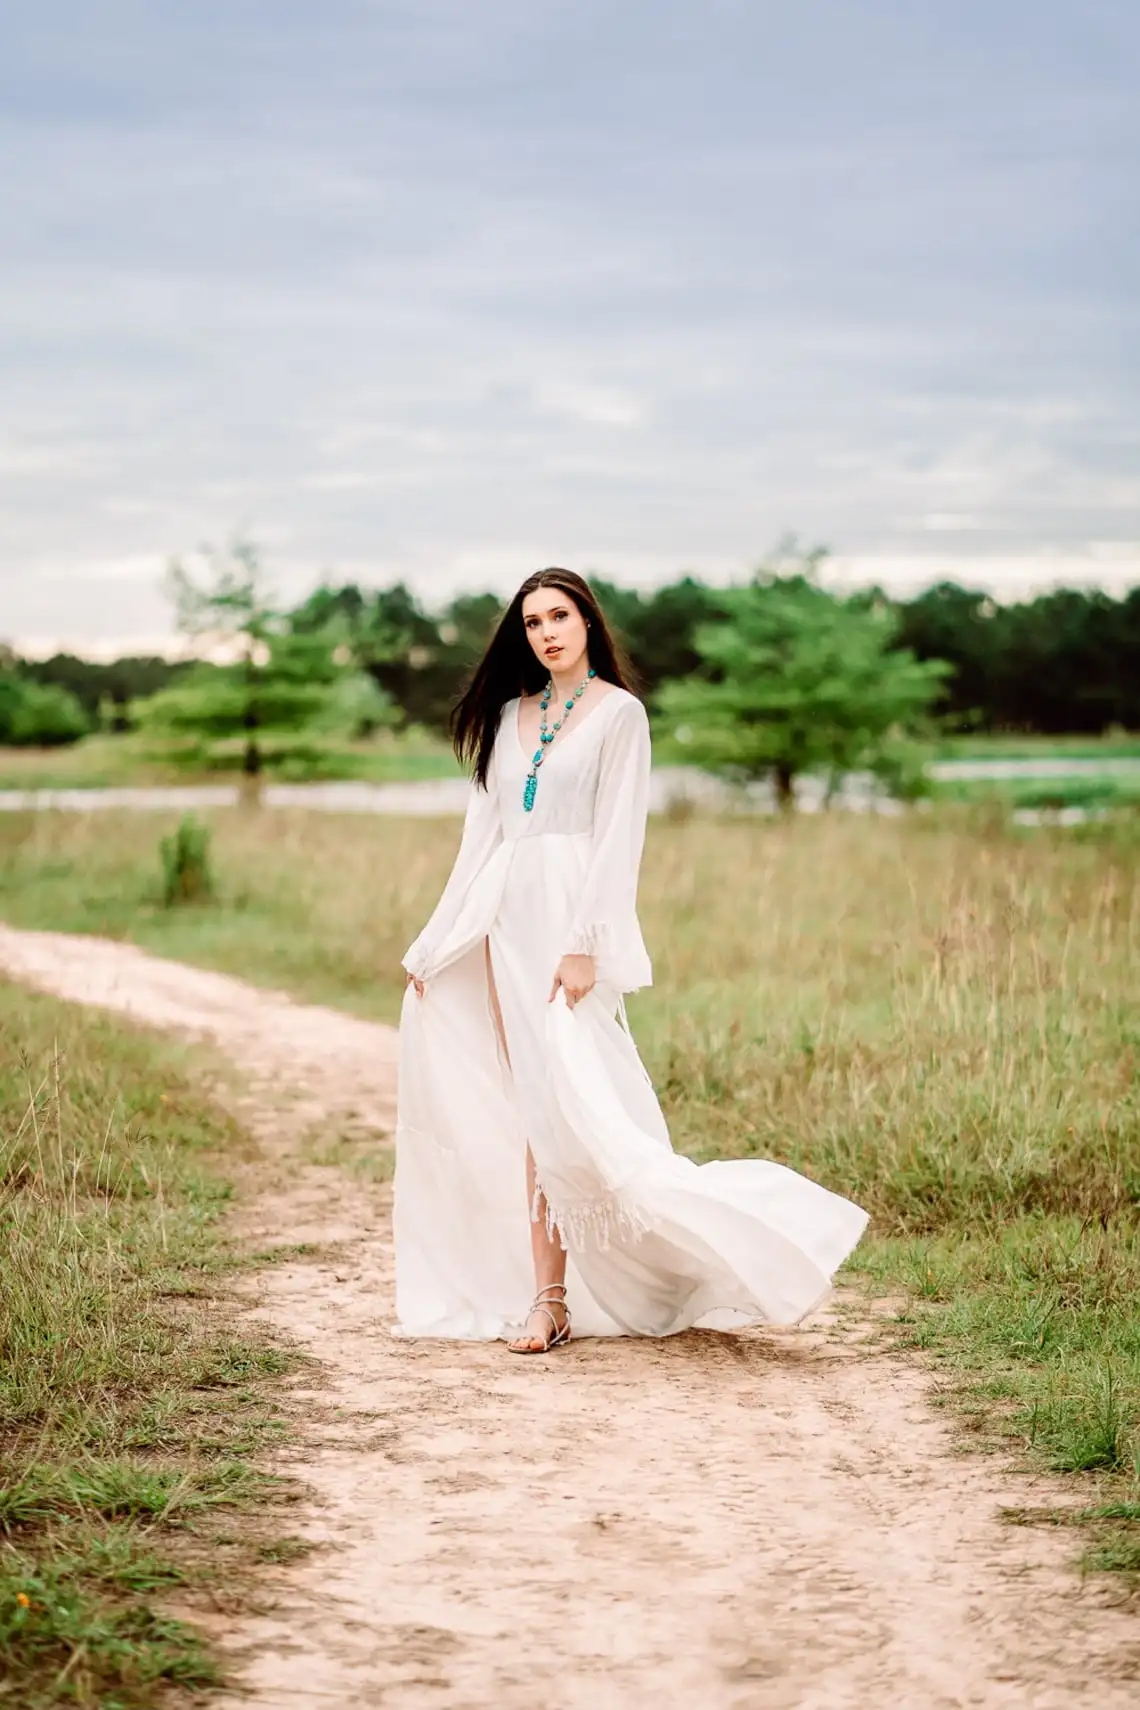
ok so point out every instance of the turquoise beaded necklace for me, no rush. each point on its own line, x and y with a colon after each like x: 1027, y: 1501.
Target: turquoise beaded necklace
x: 547, y: 735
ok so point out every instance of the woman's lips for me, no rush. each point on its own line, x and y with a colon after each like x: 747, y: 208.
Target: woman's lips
x: 551, y: 652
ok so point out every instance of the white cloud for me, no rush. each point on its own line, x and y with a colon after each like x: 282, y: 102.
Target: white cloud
x: 597, y: 406
x: 350, y: 436
x: 948, y: 522
x: 122, y: 506
x: 141, y: 566
x: 342, y: 481
x: 49, y: 460
x: 363, y: 480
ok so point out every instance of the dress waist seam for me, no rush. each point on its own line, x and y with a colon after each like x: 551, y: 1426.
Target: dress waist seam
x: 543, y: 836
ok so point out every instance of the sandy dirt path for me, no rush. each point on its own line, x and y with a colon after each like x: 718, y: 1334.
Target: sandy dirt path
x: 772, y: 1520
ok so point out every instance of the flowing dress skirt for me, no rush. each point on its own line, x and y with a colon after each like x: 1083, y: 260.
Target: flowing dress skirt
x: 656, y: 1243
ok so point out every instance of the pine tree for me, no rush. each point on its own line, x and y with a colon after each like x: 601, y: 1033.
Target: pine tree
x: 795, y: 679
x: 275, y: 681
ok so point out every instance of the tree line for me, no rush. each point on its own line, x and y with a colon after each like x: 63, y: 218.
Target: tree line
x: 1064, y: 662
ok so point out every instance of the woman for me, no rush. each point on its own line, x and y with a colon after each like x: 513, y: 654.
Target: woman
x: 519, y: 1081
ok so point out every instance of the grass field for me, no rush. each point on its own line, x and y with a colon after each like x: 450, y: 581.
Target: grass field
x: 1122, y: 745
x: 1093, y: 794
x: 130, y: 1405
x: 104, y: 762
x: 937, y: 1015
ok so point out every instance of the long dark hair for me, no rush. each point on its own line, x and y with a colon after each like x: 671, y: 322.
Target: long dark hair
x: 509, y: 668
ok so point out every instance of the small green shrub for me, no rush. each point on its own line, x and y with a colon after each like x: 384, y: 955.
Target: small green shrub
x: 38, y: 715
x: 186, y: 875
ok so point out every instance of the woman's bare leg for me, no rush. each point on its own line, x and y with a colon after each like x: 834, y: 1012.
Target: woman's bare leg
x: 547, y: 1252
x: 549, y: 1269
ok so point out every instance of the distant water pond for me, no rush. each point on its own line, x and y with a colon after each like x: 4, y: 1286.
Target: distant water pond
x: 670, y: 785
x: 999, y: 771
x: 429, y: 796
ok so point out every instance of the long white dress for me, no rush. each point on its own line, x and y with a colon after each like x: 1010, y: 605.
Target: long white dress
x: 656, y: 1243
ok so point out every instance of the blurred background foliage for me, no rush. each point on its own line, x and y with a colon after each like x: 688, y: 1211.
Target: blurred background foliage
x: 353, y: 661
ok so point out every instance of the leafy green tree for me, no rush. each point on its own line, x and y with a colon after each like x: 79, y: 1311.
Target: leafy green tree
x: 417, y: 660
x: 674, y: 614
x: 625, y: 613
x: 467, y: 625
x: 1066, y: 661
x: 330, y: 608
x: 796, y: 679
x: 277, y: 683
x: 963, y: 627
x: 391, y: 639
x: 38, y: 715
x: 357, y: 707
x: 103, y: 688
x: 399, y: 645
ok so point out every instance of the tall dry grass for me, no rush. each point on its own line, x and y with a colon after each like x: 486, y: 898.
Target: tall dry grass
x: 939, y: 1023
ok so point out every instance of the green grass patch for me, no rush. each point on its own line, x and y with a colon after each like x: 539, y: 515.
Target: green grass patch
x: 357, y: 1154
x: 1120, y: 746
x: 126, y: 1419
x: 1034, y: 1319
x: 1092, y: 794
x: 79, y: 1625
x: 132, y: 761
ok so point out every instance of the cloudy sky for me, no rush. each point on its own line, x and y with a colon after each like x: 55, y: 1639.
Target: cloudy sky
x: 447, y: 289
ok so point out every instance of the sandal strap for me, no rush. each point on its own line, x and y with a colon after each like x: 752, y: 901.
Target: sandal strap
x: 559, y: 1331
x: 556, y: 1327
x: 540, y: 1303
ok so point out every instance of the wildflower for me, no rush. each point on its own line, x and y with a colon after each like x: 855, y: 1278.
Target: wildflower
x: 23, y: 1600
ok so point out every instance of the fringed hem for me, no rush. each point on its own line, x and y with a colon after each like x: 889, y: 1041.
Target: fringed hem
x: 587, y: 1223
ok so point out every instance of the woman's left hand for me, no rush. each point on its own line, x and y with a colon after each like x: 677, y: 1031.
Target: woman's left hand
x: 576, y: 977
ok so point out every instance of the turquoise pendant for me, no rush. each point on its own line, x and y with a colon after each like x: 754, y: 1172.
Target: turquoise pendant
x: 546, y: 736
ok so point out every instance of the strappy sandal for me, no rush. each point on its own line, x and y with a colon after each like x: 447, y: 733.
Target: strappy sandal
x: 541, y: 1303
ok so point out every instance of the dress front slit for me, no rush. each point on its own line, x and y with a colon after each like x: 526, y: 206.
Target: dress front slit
x: 496, y: 1012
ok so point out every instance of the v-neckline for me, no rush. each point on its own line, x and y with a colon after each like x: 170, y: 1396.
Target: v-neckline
x: 566, y: 734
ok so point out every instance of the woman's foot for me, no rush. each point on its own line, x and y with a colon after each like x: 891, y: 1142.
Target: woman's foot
x: 548, y: 1323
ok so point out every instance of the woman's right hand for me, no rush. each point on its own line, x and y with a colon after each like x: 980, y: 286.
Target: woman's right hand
x: 419, y: 985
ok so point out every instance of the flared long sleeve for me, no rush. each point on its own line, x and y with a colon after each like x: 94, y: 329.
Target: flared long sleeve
x: 605, y: 924
x: 482, y: 835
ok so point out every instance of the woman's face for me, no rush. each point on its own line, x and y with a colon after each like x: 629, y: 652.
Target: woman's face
x: 556, y: 631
